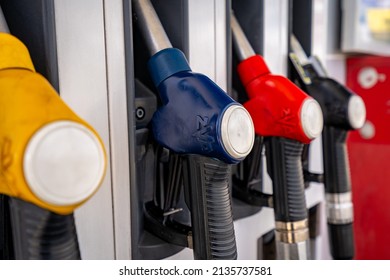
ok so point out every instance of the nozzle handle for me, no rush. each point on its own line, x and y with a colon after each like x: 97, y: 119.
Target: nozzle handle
x: 338, y: 193
x: 336, y: 164
x: 39, y: 234
x: 284, y: 166
x: 206, y: 182
x: 241, y: 44
x: 285, y: 169
x: 150, y: 25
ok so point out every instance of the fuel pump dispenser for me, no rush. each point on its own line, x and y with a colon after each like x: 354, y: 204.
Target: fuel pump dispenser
x: 343, y: 111
x: 52, y: 161
x: 285, y: 118
x: 203, y: 132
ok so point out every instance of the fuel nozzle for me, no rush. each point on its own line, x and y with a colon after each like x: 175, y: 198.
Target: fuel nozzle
x: 200, y: 122
x: 341, y: 107
x: 343, y: 111
x: 52, y: 160
x: 277, y: 106
x: 197, y: 116
x: 57, y: 160
x: 288, y: 118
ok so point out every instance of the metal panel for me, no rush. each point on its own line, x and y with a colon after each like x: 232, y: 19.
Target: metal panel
x: 221, y: 64
x: 83, y: 85
x: 119, y: 137
x: 201, y: 40
x: 276, y: 35
x: 320, y: 29
x: 207, y: 52
x: 250, y: 229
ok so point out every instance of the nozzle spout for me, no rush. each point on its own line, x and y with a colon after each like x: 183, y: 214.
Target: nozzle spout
x: 298, y: 50
x: 241, y: 44
x: 3, y: 23
x: 150, y: 25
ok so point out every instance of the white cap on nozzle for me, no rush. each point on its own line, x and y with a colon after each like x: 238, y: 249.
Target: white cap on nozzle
x: 237, y: 131
x: 312, y: 120
x: 64, y: 163
x: 356, y: 112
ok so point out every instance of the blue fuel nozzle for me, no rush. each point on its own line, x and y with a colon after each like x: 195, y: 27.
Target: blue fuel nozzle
x: 197, y: 116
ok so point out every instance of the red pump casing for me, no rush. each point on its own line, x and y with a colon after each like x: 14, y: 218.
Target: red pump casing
x: 274, y: 101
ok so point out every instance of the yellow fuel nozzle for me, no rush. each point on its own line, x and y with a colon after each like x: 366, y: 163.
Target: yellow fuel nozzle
x: 48, y: 155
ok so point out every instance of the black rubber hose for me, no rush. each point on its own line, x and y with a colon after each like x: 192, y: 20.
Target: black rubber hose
x: 341, y: 240
x: 39, y: 234
x: 337, y: 181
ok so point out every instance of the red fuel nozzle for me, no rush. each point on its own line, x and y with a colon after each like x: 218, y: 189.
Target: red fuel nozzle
x: 288, y: 117
x: 277, y: 106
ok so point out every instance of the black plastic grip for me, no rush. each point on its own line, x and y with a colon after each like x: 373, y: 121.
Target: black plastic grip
x: 284, y: 166
x: 341, y: 241
x: 206, y: 182
x: 39, y: 234
x: 336, y: 165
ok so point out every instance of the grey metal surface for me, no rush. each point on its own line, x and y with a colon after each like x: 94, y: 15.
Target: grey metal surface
x: 121, y: 141
x: 151, y: 27
x: 248, y: 231
x: 250, y: 15
x: 293, y: 251
x: 339, y: 208
x: 221, y: 39
x: 91, y: 57
x: 276, y: 35
x: 292, y: 240
x: 3, y: 23
x: 83, y: 85
x: 207, y: 51
x: 298, y: 50
x: 241, y: 44
x: 292, y: 232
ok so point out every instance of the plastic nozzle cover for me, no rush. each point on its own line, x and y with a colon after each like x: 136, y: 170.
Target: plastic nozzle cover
x: 342, y: 108
x: 236, y: 130
x: 64, y: 163
x: 13, y: 53
x: 197, y: 116
x: 165, y: 63
x: 356, y: 112
x: 251, y: 69
x: 277, y: 106
x: 312, y: 120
